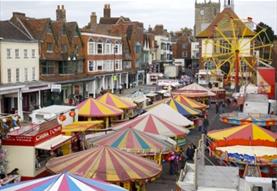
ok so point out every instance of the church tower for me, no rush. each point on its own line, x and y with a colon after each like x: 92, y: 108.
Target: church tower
x: 229, y: 4
x: 205, y: 13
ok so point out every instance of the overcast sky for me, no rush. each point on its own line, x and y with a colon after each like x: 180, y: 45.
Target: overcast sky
x: 174, y: 14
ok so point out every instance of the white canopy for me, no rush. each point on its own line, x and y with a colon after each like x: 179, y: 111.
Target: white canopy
x: 250, y: 150
x: 196, y: 87
x: 166, y: 112
x: 53, y: 142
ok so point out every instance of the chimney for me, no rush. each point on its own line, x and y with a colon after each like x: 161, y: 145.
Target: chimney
x: 60, y: 13
x: 93, y: 19
x: 107, y: 11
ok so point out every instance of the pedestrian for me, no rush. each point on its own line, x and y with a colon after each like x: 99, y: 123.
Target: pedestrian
x: 190, y: 153
x: 171, y: 163
x: 205, y: 125
x: 216, y: 107
x: 120, y: 89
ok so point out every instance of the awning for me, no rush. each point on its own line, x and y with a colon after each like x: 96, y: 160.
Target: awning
x: 53, y: 143
x: 151, y: 94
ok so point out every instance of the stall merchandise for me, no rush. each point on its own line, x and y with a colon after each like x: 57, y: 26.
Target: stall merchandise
x: 63, y: 182
x: 183, y: 109
x: 156, y: 125
x: 190, y: 102
x: 107, y: 164
x: 239, y: 118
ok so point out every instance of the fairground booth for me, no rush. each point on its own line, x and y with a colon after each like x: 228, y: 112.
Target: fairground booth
x: 30, y: 147
x: 252, y: 148
x: 108, y: 164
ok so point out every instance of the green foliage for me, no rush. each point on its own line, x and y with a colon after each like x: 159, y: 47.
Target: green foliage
x: 267, y: 36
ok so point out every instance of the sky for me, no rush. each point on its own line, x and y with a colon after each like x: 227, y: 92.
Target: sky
x: 173, y: 14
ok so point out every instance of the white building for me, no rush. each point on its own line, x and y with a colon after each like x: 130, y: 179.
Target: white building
x: 103, y: 62
x: 163, y: 52
x: 19, y: 68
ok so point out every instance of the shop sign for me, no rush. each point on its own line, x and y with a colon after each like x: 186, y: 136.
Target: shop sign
x: 56, y: 88
x: 24, y: 140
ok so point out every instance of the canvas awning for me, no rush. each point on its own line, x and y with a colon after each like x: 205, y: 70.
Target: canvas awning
x: 53, y: 143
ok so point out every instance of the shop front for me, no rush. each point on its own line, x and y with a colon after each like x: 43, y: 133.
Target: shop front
x: 34, y: 145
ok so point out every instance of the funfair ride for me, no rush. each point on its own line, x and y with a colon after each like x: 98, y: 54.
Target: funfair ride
x: 230, y: 45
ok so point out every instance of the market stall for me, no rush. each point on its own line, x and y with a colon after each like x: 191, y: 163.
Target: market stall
x: 65, y: 182
x: 115, y: 101
x: 137, y: 142
x: 183, y: 109
x: 34, y: 145
x: 108, y: 164
x: 239, y: 118
x: 92, y: 109
x: 190, y: 102
x: 78, y: 130
x: 167, y: 113
x: 246, y: 145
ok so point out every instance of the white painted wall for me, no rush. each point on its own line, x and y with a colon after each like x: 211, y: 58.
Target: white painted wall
x: 162, y: 39
x: 207, y: 47
x: 20, y: 62
x: 21, y: 157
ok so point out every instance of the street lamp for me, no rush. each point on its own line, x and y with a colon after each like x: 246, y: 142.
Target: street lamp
x: 73, y: 58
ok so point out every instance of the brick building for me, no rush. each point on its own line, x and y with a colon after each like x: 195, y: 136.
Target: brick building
x: 103, y: 61
x: 181, y: 47
x: 131, y: 33
x: 61, y: 52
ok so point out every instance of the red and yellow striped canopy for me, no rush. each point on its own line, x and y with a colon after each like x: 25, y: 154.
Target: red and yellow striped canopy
x: 107, y: 164
x: 133, y: 141
x: 94, y: 108
x: 190, y: 102
x: 249, y: 132
x: 116, y: 101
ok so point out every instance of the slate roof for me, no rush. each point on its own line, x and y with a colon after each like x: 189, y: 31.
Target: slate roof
x: 11, y: 32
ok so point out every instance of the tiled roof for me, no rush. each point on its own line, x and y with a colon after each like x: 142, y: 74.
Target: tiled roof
x: 36, y: 27
x: 11, y: 32
x: 223, y: 21
x: 112, y: 20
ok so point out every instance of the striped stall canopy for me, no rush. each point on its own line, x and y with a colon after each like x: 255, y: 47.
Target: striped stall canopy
x: 249, y: 132
x: 239, y: 118
x: 115, y: 101
x: 190, y: 102
x: 94, y: 108
x: 134, y: 141
x: 182, y: 109
x: 150, y: 123
x: 107, y: 164
x: 62, y: 182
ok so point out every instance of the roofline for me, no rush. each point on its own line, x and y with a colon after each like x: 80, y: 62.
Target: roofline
x: 100, y: 35
x: 19, y: 41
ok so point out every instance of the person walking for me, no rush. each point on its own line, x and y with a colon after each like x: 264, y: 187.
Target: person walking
x: 216, y: 107
x: 205, y: 125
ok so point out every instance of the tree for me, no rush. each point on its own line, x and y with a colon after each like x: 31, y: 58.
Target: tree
x: 267, y: 36
x: 186, y: 31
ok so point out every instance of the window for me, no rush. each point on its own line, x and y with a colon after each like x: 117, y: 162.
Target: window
x: 99, y: 48
x: 25, y: 53
x: 16, y: 53
x: 116, y: 48
x: 184, y: 46
x: 108, y: 48
x: 66, y: 67
x: 99, y: 65
x: 116, y: 67
x: 49, y: 47
x: 91, y: 47
x: 33, y: 53
x: 17, y: 75
x: 9, y: 53
x: 79, y: 66
x: 33, y: 73
x: 47, y: 67
x: 91, y: 66
x: 26, y: 74
x: 9, y: 72
x: 225, y: 47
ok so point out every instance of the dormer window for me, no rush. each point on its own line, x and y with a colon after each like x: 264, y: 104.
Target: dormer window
x: 63, y: 30
x: 49, y: 30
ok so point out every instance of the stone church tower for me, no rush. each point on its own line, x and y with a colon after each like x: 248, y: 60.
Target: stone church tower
x: 205, y: 12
